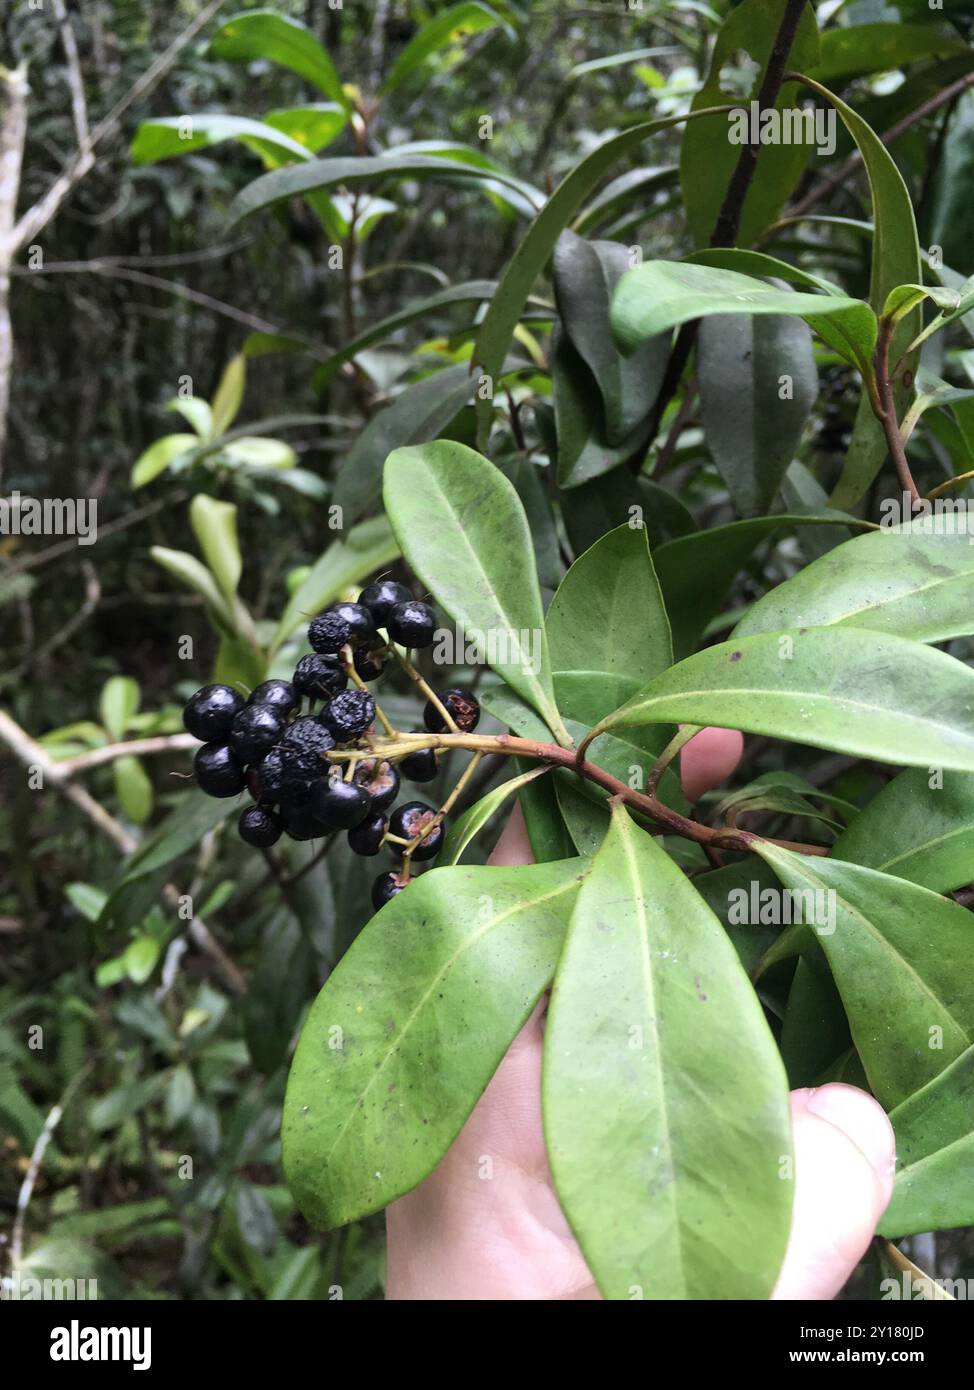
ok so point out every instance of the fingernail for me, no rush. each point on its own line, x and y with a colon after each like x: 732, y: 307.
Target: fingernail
x: 862, y: 1119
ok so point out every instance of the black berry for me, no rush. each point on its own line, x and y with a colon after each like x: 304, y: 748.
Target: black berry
x: 381, y: 598
x: 280, y: 695
x: 419, y: 766
x: 300, y: 823
x: 412, y: 624
x: 385, y: 888
x: 308, y: 735
x: 254, y: 732
x: 366, y: 839
x: 379, y: 779
x: 409, y: 820
x: 342, y: 623
x: 319, y: 677
x: 209, y: 713
x: 218, y: 773
x: 339, y: 804
x: 462, y: 704
x: 349, y: 714
x: 259, y: 826
x: 368, y: 664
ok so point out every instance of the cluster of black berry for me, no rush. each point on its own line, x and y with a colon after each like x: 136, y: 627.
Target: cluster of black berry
x: 271, y: 746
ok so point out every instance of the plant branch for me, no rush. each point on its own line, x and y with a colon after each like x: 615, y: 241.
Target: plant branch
x: 886, y: 412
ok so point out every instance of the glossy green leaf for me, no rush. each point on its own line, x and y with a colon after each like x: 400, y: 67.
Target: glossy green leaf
x: 367, y: 548
x: 619, y: 496
x: 256, y: 452
x: 118, y: 704
x: 608, y: 613
x: 410, y: 1028
x: 697, y: 570
x: 462, y: 831
x: 708, y: 158
x: 728, y: 892
x: 658, y: 295
x: 167, y: 136
x: 659, y: 1069
x: 133, y: 788
x: 882, y: 47
x: 462, y: 529
x: 229, y: 395
x: 583, y: 448
x: 312, y: 126
x: 934, y: 1152
x: 920, y: 827
x: 440, y: 31
x: 758, y: 383
x: 159, y: 455
x: 899, y: 956
x: 214, y: 524
x: 189, y: 571
x: 265, y: 35
x: 196, y: 411
x: 815, y: 1030
x: 297, y: 180
x: 868, y: 694
x: 896, y: 580
x: 531, y: 256
x: 585, y: 275
x: 420, y: 412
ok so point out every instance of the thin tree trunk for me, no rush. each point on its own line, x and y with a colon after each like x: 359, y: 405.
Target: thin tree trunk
x: 13, y: 131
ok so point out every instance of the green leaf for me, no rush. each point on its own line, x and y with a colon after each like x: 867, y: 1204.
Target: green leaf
x: 865, y: 48
x: 597, y: 506
x: 189, y: 571
x: 367, y: 547
x: 264, y: 35
x: 255, y: 452
x: 296, y: 180
x: 897, y: 580
x: 418, y: 415
x: 463, y: 531
x: 934, y: 1151
x: 179, y: 833
x: 920, y: 827
x: 696, y: 571
x: 659, y: 295
x: 439, y: 32
x: 849, y: 690
x: 86, y: 899
x: 464, y: 830
x: 229, y: 395
x: 531, y: 256
x: 140, y: 958
x: 708, y: 158
x: 899, y: 955
x: 133, y: 788
x: 815, y: 1030
x: 583, y: 449
x: 214, y: 524
x: 410, y: 1028
x: 586, y: 274
x: 118, y: 705
x: 159, y: 455
x: 196, y: 411
x: 659, y: 1069
x: 166, y: 136
x: 758, y: 383
x: 608, y: 613
x: 312, y: 126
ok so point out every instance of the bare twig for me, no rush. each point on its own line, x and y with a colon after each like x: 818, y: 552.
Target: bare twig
x: 76, y: 82
x: 13, y: 133
x: 130, y: 748
x: 34, y: 1168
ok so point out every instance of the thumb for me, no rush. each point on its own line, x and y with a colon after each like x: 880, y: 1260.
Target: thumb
x: 844, y: 1158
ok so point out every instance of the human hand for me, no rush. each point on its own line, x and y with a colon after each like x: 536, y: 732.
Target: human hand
x: 457, y: 1236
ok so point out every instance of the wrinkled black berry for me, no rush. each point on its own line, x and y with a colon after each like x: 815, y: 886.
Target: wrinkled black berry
x: 385, y: 887
x: 254, y: 732
x: 412, y: 624
x: 319, y: 677
x: 259, y: 826
x: 286, y: 775
x: 280, y: 695
x: 381, y: 598
x: 349, y: 714
x: 419, y: 766
x: 379, y: 779
x: 218, y: 773
x: 369, y: 664
x: 462, y: 704
x: 366, y: 839
x: 209, y: 713
x: 308, y: 735
x: 342, y: 623
x: 339, y: 804
x: 409, y: 820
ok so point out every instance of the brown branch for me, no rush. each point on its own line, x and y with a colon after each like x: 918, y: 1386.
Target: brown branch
x: 130, y: 748
x: 79, y: 108
x: 886, y: 412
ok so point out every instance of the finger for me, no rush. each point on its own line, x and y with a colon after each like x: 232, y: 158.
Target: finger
x: 844, y: 1155
x: 513, y: 847
x: 709, y: 759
